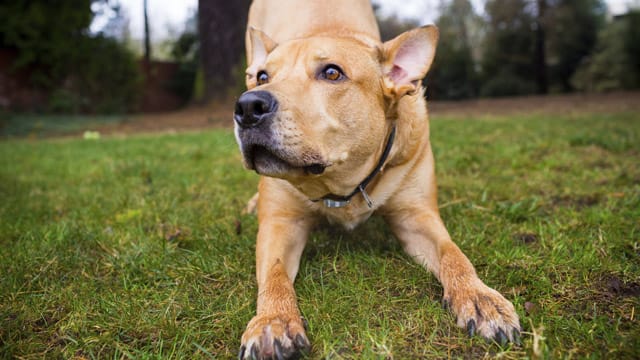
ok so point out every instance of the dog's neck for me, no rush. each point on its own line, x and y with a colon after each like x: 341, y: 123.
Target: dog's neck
x: 337, y: 201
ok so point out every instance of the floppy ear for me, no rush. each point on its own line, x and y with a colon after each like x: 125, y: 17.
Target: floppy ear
x: 259, y: 45
x: 407, y: 59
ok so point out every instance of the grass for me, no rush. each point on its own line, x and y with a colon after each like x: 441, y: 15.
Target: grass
x: 35, y: 126
x: 136, y: 247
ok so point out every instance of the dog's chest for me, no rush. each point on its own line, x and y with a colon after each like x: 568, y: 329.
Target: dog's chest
x: 349, y: 216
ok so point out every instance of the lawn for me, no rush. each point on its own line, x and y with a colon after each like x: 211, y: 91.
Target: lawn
x: 37, y: 126
x: 135, y: 247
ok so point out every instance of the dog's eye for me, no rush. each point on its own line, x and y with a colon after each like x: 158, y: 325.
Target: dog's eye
x: 332, y: 73
x: 262, y: 77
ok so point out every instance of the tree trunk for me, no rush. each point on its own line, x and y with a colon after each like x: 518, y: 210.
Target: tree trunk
x: 221, y: 27
x: 147, y: 35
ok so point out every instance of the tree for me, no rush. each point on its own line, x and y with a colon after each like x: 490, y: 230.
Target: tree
x: 571, y: 31
x: 615, y: 63
x: 392, y: 26
x: 80, y: 71
x: 507, y: 65
x: 537, y: 44
x: 221, y: 27
x: 41, y: 31
x: 631, y: 43
x: 453, y: 74
x: 147, y: 35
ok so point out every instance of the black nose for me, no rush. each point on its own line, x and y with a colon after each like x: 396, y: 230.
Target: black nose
x: 254, y: 107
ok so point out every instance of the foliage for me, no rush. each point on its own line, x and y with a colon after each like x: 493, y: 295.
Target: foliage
x: 453, y: 74
x: 42, y: 32
x: 509, y: 46
x: 82, y: 72
x: 530, y: 39
x: 505, y: 83
x: 109, y: 76
x: 185, y: 50
x: 392, y: 26
x: 136, y: 247
x: 632, y: 45
x: 571, y: 28
x: 108, y: 80
x: 614, y: 64
x: 183, y: 81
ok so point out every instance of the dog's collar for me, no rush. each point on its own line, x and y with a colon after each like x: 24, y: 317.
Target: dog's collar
x: 337, y: 201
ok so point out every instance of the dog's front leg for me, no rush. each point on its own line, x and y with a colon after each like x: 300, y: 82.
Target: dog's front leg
x: 478, y: 308
x: 277, y: 331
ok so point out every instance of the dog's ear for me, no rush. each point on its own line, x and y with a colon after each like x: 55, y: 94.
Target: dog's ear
x: 407, y: 59
x: 259, y: 45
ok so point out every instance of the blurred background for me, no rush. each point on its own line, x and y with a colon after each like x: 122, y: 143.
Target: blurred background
x: 126, y: 62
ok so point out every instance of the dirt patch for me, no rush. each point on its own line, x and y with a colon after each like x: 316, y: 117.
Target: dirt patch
x: 525, y: 238
x: 577, y: 202
x: 607, y: 295
x: 615, y: 286
x: 566, y: 104
x: 219, y: 114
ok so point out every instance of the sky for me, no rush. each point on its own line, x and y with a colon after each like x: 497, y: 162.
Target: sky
x: 167, y: 17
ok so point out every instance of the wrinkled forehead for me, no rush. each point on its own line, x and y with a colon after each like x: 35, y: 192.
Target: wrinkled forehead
x: 341, y: 51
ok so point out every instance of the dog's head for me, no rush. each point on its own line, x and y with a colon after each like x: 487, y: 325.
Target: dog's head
x: 316, y: 112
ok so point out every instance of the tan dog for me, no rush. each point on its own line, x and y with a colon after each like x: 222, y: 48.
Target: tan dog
x: 336, y: 122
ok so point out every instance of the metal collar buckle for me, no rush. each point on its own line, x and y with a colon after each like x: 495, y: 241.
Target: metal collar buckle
x: 333, y: 204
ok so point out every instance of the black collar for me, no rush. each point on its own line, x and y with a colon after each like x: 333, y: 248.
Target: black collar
x: 337, y: 201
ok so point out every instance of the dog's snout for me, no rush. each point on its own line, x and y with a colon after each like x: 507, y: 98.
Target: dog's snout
x: 254, y: 107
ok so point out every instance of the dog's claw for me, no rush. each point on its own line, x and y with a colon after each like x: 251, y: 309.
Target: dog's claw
x: 305, y: 323
x: 278, y: 349
x: 241, y: 352
x: 501, y: 338
x: 516, y: 337
x: 254, y: 352
x: 301, y: 343
x: 471, y: 327
x: 445, y: 304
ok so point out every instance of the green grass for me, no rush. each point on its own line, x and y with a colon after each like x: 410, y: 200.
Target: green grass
x: 136, y: 247
x: 37, y: 126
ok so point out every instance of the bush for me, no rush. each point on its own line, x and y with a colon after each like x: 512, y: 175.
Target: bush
x: 186, y: 52
x: 80, y: 72
x: 182, y: 83
x: 614, y: 63
x: 107, y: 75
x: 102, y: 77
x: 452, y: 75
x: 506, y: 84
x: 65, y: 101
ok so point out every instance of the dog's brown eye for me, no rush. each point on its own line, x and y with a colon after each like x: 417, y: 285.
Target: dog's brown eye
x: 263, y: 77
x: 332, y: 73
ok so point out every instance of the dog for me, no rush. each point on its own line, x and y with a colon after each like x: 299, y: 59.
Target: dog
x: 336, y: 124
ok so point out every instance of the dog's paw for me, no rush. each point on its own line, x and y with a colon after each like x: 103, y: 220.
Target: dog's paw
x: 274, y: 337
x: 484, y: 311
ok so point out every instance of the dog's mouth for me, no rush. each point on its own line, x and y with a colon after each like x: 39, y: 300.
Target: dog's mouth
x: 277, y: 163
